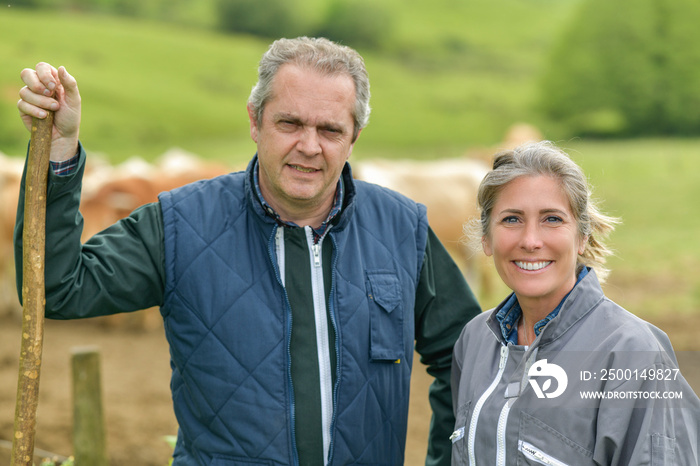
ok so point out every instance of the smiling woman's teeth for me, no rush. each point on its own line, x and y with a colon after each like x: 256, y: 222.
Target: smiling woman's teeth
x: 302, y: 169
x: 532, y: 265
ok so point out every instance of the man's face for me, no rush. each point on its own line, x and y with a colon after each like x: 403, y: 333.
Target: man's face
x: 304, y: 140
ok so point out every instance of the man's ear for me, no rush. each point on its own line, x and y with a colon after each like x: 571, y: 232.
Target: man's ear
x: 252, y: 117
x: 352, y: 145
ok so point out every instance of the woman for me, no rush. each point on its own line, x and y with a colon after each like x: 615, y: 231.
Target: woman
x: 558, y: 374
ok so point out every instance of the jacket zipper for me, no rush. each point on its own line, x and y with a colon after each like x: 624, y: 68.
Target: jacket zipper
x: 279, y: 265
x: 477, y: 408
x: 501, y: 433
x: 533, y: 453
x: 503, y: 419
x: 322, y: 339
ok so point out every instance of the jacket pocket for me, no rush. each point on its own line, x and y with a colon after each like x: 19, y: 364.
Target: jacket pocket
x: 662, y: 450
x: 535, y: 455
x: 386, y: 316
x: 540, y: 443
x: 461, y: 434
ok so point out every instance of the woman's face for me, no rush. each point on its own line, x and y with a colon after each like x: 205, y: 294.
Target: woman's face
x: 534, y: 241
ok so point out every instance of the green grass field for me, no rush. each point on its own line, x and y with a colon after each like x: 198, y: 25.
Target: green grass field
x: 652, y: 185
x: 454, y: 76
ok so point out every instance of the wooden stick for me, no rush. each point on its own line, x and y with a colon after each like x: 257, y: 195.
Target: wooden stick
x: 33, y: 291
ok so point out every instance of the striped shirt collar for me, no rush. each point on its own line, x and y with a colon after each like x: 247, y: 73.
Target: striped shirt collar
x: 318, y: 232
x: 510, y: 314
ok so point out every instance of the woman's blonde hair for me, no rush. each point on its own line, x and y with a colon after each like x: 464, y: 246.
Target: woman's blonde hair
x: 544, y: 158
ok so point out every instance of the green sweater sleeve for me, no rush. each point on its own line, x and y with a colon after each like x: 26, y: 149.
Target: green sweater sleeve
x: 120, y: 269
x: 444, y: 304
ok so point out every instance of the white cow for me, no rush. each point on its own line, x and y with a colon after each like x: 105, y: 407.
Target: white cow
x: 448, y: 188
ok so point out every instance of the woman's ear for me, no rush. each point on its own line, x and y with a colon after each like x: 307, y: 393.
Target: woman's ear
x: 486, y: 245
x: 582, y: 245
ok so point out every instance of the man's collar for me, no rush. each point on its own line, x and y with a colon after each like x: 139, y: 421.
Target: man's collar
x: 335, y: 210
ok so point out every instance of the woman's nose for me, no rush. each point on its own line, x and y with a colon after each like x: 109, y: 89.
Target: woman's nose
x: 531, y: 239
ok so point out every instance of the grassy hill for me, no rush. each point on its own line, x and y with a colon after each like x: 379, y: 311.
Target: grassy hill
x: 652, y: 185
x: 453, y: 74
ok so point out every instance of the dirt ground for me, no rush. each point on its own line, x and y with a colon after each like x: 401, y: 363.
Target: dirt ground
x: 135, y: 381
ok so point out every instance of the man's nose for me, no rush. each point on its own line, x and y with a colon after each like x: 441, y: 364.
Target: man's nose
x: 308, y: 143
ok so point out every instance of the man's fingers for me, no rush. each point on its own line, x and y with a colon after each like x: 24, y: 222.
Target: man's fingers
x: 46, y: 88
x: 69, y: 84
x: 27, y: 109
x: 48, y: 75
x: 31, y: 100
x: 32, y: 81
x: 42, y: 80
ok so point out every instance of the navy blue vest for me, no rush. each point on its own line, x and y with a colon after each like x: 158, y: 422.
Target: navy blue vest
x: 227, y: 319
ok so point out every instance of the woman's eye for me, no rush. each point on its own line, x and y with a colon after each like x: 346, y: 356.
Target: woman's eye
x: 553, y: 219
x: 510, y: 219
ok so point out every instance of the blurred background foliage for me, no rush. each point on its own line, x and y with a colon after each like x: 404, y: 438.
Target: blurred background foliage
x: 445, y: 74
x: 615, y: 83
x: 626, y: 68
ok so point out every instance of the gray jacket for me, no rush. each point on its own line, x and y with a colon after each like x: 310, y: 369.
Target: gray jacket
x: 598, y: 386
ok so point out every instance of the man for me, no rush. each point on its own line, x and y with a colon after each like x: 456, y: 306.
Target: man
x: 292, y: 295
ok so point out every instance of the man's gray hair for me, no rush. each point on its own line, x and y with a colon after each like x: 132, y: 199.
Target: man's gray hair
x: 318, y: 54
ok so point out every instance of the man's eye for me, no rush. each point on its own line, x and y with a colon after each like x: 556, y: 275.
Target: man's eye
x: 287, y: 124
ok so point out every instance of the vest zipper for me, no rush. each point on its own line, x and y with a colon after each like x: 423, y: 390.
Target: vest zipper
x: 337, y: 348
x: 322, y: 339
x: 477, y: 408
x: 316, y: 249
x: 277, y: 249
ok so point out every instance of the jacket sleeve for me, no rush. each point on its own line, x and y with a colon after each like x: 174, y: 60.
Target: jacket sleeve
x: 119, y: 269
x: 444, y: 304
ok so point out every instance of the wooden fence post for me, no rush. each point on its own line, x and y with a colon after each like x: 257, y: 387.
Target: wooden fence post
x: 89, y: 443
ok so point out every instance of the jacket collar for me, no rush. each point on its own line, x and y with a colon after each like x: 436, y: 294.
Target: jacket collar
x: 583, y: 299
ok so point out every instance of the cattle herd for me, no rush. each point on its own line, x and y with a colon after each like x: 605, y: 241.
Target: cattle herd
x: 446, y: 186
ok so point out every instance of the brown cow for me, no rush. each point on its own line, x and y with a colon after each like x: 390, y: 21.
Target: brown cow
x: 109, y: 193
x: 10, y: 177
x: 112, y: 193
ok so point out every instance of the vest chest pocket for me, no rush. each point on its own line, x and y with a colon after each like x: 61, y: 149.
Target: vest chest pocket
x: 385, y: 316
